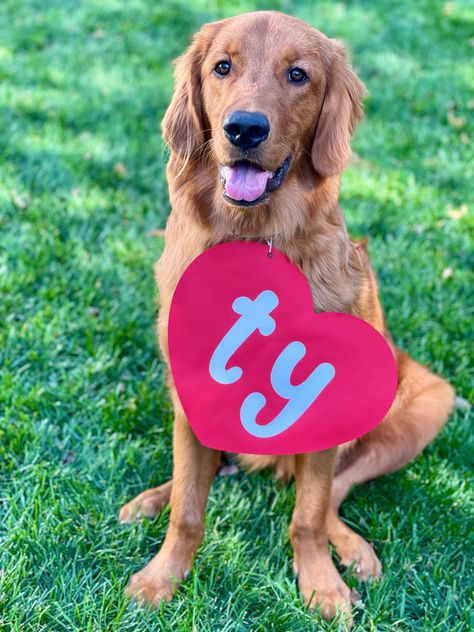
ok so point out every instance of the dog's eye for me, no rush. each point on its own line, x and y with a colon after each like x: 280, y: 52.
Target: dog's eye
x: 297, y: 75
x: 222, y: 68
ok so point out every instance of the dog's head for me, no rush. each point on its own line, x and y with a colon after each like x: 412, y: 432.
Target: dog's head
x: 261, y: 94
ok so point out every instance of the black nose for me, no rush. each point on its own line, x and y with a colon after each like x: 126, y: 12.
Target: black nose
x: 246, y: 129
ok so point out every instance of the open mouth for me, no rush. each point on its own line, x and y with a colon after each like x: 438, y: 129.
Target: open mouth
x: 247, y: 184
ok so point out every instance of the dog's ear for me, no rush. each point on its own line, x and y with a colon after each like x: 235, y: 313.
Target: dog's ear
x: 341, y: 110
x: 182, y: 124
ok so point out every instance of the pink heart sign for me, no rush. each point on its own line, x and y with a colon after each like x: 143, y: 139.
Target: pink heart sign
x: 258, y: 371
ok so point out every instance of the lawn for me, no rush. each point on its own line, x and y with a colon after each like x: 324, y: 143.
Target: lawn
x: 85, y: 422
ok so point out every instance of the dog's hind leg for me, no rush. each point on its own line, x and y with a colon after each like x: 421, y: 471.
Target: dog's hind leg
x: 147, y: 504
x: 421, y: 408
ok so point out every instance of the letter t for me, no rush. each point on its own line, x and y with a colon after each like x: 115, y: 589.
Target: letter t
x: 254, y: 315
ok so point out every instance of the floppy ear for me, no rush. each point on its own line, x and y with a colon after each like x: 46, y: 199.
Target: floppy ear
x: 341, y: 110
x: 182, y: 124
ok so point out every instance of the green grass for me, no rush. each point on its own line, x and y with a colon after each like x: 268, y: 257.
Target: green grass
x: 84, y: 418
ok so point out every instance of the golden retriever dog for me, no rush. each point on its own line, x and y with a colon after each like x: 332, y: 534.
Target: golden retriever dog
x: 259, y: 130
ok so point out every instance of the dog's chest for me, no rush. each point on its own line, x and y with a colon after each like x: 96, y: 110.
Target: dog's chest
x: 334, y: 286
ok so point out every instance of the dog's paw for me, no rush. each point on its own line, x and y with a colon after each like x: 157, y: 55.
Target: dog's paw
x: 136, y: 509
x: 323, y: 588
x: 146, y: 505
x: 359, y: 555
x: 150, y: 590
x: 331, y: 602
x: 160, y: 578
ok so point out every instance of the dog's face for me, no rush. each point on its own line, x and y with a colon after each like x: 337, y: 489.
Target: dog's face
x: 262, y: 89
x: 260, y: 94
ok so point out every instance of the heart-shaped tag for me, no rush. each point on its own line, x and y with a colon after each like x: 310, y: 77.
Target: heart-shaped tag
x: 257, y: 371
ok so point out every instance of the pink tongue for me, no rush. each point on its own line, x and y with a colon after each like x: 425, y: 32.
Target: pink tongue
x: 245, y: 182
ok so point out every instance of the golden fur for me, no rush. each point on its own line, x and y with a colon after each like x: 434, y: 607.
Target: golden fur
x: 314, y: 124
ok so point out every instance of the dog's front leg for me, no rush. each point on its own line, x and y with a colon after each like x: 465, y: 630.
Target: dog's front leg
x: 318, y: 579
x: 193, y: 470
